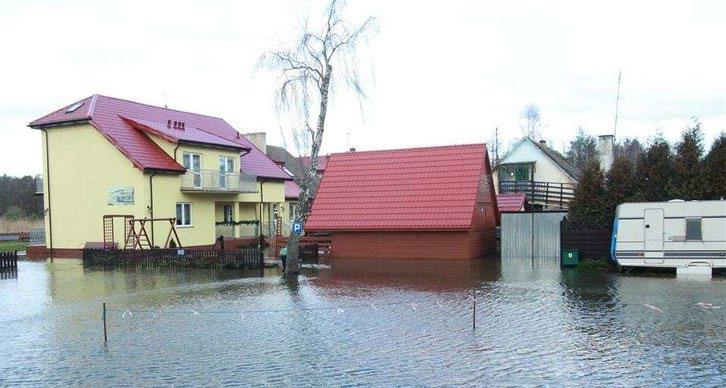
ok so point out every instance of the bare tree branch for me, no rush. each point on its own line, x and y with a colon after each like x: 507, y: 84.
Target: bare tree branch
x: 308, y: 78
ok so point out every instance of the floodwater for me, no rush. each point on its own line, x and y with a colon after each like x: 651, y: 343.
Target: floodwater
x: 366, y: 323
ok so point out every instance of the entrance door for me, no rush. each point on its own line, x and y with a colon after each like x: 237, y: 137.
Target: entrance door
x: 653, y: 235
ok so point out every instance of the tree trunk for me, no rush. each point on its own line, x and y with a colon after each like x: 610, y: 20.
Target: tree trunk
x: 311, y: 185
x: 293, y: 255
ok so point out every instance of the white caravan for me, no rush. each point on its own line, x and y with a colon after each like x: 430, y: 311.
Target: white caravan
x: 675, y: 234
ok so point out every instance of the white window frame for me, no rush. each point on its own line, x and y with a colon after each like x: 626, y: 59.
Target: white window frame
x: 224, y: 170
x: 197, y: 179
x: 186, y: 219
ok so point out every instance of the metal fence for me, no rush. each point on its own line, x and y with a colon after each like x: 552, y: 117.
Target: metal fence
x: 531, y: 235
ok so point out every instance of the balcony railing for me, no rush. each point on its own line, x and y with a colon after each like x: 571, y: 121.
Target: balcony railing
x: 213, y: 181
x: 552, y: 194
x: 38, y: 184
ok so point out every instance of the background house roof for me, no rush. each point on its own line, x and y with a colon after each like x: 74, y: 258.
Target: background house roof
x: 511, y: 202
x: 322, y: 162
x: 432, y: 188
x: 559, y: 159
x: 282, y: 156
x: 106, y: 114
x: 292, y: 191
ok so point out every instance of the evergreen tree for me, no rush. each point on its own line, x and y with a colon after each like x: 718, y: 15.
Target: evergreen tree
x: 654, y: 170
x: 688, y: 178
x: 714, y: 170
x: 582, y: 149
x: 589, y: 205
x: 619, y: 184
x: 629, y: 148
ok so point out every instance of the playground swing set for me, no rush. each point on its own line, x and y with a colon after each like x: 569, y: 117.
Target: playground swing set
x: 134, y: 232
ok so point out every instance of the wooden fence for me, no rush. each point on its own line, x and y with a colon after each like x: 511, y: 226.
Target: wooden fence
x: 313, y: 250
x: 239, y: 258
x: 591, y: 242
x: 9, y: 261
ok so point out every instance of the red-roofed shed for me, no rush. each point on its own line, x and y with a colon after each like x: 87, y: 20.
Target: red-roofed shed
x: 418, y: 203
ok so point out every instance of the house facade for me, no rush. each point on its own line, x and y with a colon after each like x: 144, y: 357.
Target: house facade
x: 419, y: 203
x: 541, y: 173
x: 106, y: 156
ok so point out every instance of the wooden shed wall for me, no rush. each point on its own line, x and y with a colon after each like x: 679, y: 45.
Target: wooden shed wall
x: 402, y: 245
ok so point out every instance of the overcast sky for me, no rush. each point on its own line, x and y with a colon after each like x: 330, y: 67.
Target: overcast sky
x: 445, y: 72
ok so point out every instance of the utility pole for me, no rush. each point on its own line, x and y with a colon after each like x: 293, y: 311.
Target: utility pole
x: 496, y: 145
x: 617, y: 104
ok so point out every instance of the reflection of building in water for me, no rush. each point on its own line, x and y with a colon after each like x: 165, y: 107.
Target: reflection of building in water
x: 70, y: 282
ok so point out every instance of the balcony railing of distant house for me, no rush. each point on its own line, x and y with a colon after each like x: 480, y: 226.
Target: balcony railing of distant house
x: 214, y: 181
x: 38, y: 184
x: 550, y: 194
x: 241, y: 229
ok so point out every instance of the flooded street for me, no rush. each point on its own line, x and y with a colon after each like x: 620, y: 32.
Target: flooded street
x: 366, y: 323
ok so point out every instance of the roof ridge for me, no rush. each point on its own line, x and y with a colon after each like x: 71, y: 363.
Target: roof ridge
x: 408, y: 148
x: 156, y: 106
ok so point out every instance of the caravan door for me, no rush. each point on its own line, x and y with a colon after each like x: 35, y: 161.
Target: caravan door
x: 653, y: 235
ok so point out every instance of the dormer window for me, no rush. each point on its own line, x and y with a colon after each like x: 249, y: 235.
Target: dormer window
x: 74, y: 107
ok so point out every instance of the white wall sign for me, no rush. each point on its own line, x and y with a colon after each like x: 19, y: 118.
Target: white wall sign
x: 120, y: 195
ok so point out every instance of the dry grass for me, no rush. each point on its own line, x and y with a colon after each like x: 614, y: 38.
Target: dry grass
x: 21, y: 225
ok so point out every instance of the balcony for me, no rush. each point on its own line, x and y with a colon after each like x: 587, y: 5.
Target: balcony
x: 214, y: 181
x: 549, y: 194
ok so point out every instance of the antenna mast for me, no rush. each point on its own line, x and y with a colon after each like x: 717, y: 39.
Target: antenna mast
x: 617, y: 104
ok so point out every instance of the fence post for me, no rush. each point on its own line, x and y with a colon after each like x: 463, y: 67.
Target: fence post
x: 105, y: 336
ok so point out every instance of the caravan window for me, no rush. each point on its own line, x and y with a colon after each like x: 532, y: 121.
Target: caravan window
x: 693, y: 229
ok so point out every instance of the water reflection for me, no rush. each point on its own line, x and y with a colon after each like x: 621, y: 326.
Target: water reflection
x: 369, y: 322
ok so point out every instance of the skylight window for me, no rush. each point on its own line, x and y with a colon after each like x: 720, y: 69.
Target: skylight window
x: 74, y: 107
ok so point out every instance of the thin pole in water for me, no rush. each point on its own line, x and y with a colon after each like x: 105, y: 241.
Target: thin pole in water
x: 105, y: 336
x: 473, y: 314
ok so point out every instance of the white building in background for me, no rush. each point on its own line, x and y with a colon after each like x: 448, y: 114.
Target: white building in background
x: 541, y: 173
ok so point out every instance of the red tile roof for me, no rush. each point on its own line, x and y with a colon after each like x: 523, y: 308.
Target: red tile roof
x: 432, y: 188
x: 189, y: 134
x: 107, y: 115
x: 292, y: 191
x: 511, y: 202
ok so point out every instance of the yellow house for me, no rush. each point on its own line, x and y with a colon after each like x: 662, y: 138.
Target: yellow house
x: 107, y: 156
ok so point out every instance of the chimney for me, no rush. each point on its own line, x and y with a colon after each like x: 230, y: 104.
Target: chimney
x: 352, y: 149
x: 259, y: 139
x: 543, y: 142
x: 605, y: 151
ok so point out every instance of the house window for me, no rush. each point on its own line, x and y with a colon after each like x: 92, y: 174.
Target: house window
x: 515, y: 172
x: 693, y: 229
x: 184, y: 214
x: 226, y: 169
x: 193, y: 164
x: 227, y: 210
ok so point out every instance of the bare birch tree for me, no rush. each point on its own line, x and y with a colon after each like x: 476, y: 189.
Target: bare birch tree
x: 322, y: 63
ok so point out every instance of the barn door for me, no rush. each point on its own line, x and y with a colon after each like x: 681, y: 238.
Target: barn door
x: 653, y: 235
